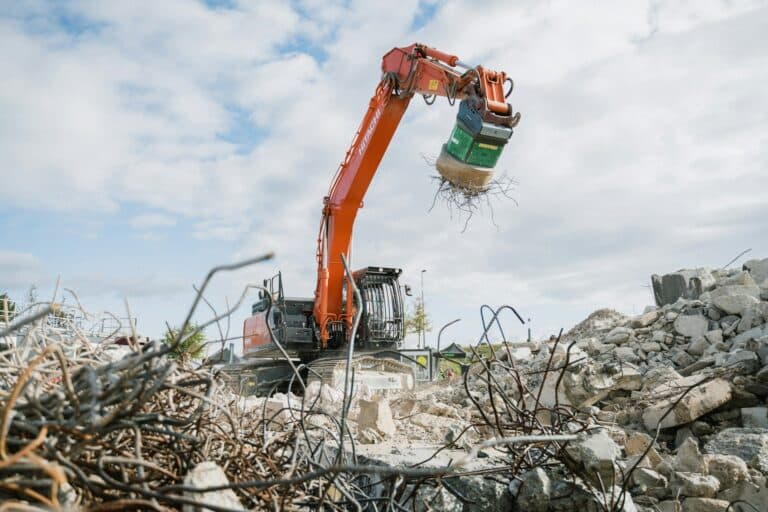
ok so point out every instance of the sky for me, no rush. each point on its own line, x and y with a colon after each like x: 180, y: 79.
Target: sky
x: 142, y: 143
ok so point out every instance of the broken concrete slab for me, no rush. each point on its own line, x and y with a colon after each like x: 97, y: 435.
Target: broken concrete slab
x: 753, y: 334
x: 749, y: 444
x: 597, y: 452
x: 687, y: 284
x: 645, y: 319
x: 376, y: 415
x: 705, y: 505
x: 758, y: 269
x: 754, y: 417
x: 699, y: 401
x: 694, y: 484
x: 619, y: 335
x: 689, y: 458
x: 645, y: 478
x: 691, y: 326
x: 755, y: 495
x: 734, y: 299
x: 729, y: 469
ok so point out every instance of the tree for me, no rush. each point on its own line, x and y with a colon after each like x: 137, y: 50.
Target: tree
x: 7, y: 308
x: 417, y: 318
x: 193, y: 347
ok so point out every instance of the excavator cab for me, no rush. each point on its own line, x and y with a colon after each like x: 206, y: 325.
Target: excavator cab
x: 382, y: 324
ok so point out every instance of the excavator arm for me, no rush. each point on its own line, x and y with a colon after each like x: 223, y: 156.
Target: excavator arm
x: 415, y: 69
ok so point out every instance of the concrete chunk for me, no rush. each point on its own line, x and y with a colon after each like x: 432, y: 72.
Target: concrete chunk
x: 758, y: 269
x: 597, y: 452
x: 749, y: 444
x: 705, y: 505
x: 535, y: 491
x: 696, y: 403
x: 729, y: 469
x: 209, y: 474
x: 692, y: 326
x: 377, y: 415
x: 695, y: 484
x: 689, y: 458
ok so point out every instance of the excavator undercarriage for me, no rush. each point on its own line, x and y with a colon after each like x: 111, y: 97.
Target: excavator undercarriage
x: 288, y: 321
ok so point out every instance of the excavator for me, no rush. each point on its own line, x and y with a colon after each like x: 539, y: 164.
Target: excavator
x: 316, y: 330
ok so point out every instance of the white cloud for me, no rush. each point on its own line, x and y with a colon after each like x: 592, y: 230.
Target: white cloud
x: 19, y: 270
x: 152, y: 220
x: 141, y: 286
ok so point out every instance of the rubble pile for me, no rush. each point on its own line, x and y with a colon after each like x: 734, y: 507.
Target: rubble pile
x: 669, y: 406
x: 661, y: 411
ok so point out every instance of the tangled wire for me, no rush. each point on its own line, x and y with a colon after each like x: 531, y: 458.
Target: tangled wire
x: 466, y: 200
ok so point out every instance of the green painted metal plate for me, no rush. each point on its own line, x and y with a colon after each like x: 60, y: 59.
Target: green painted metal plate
x: 459, y: 143
x: 462, y: 146
x: 482, y: 154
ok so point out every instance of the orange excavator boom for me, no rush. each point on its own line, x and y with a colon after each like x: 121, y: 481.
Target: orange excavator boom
x: 415, y: 69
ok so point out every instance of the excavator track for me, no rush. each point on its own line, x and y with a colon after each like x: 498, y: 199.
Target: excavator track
x: 376, y: 373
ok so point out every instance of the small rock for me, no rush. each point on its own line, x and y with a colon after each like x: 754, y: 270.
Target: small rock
x: 682, y: 434
x: 758, y: 269
x: 535, y: 491
x: 669, y: 506
x: 625, y: 354
x: 705, y: 505
x: 742, y: 399
x: 645, y: 319
x: 637, y: 442
x: 659, y: 376
x: 691, y: 326
x: 696, y: 403
x: 750, y: 317
x: 701, y: 428
x: 715, y: 336
x: 694, y: 484
x: 753, y: 334
x: 646, y: 478
x: 698, y: 346
x: 747, y: 361
x: 729, y: 469
x: 762, y: 375
x: 749, y: 444
x: 742, y: 278
x: 650, y: 346
x: 369, y: 436
x: 754, y: 417
x: 754, y: 494
x: 597, y: 452
x: 619, y: 335
x: 209, y: 474
x: 759, y: 389
x: 689, y: 458
x: 736, y: 298
x: 377, y: 415
x: 682, y: 359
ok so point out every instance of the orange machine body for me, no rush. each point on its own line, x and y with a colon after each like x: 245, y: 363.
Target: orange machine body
x: 256, y: 333
x: 415, y: 69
